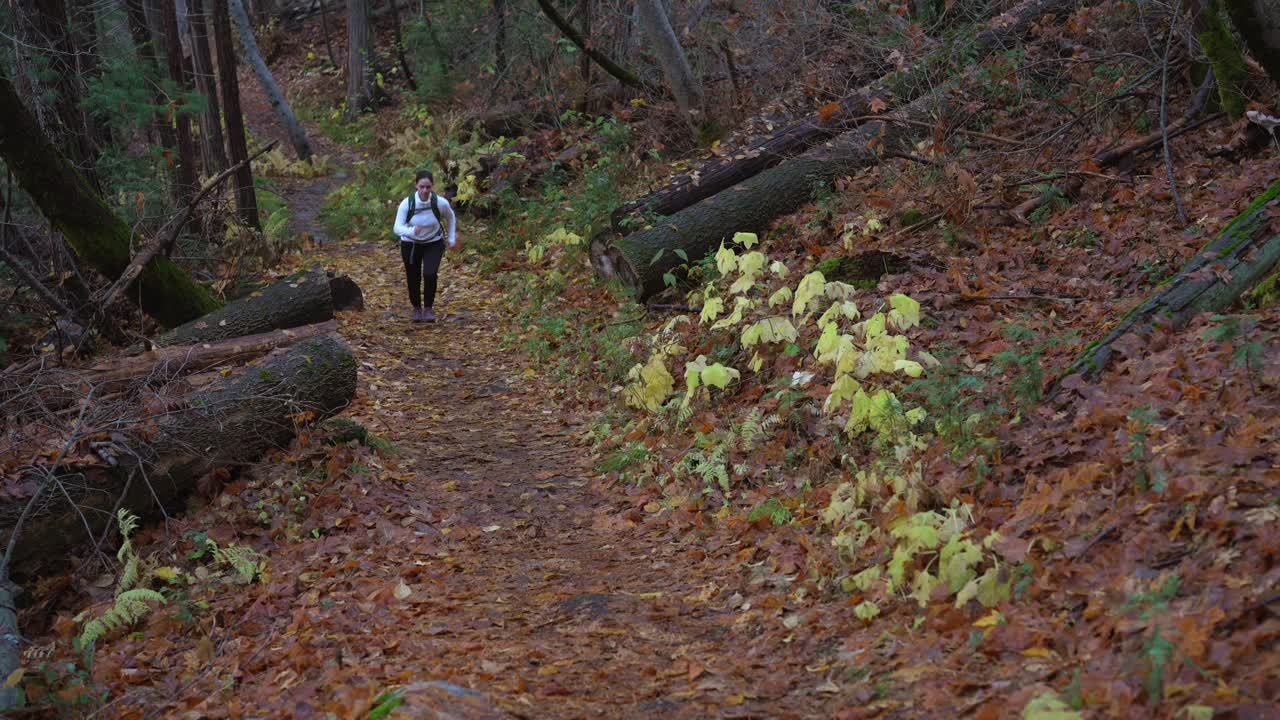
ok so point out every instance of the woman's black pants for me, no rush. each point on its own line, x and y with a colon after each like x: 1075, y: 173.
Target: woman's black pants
x: 421, y: 268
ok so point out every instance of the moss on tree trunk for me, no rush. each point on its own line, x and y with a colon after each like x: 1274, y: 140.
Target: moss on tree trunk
x: 1241, y: 256
x: 99, y: 237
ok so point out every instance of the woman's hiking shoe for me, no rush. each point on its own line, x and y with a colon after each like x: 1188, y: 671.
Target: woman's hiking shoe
x: 428, y: 315
x: 417, y: 315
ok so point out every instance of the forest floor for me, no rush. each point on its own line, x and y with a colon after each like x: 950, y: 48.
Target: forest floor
x: 474, y: 563
x: 473, y: 556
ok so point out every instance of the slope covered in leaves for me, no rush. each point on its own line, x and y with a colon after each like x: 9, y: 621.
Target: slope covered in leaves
x: 773, y: 493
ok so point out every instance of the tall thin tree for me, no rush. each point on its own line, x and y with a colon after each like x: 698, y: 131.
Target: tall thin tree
x: 212, y: 146
x: 246, y: 198
x: 359, y: 58
x: 686, y: 89
x: 186, y: 186
x: 275, y: 96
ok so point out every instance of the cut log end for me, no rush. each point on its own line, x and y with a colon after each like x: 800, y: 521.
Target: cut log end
x: 611, y: 262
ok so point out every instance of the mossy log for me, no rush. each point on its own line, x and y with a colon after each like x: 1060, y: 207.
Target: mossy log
x: 301, y: 299
x: 99, y: 237
x: 234, y: 421
x: 1243, y: 254
x: 895, y: 89
x: 748, y: 207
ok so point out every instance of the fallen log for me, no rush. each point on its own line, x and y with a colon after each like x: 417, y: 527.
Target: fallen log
x: 165, y: 363
x: 891, y: 90
x: 233, y: 421
x: 300, y: 299
x: 697, y: 230
x: 1242, y: 255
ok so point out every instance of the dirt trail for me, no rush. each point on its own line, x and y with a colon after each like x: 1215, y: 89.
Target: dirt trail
x: 518, y: 585
x: 481, y: 569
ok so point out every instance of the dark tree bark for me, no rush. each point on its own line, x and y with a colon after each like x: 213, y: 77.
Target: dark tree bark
x: 500, y: 37
x: 1244, y: 253
x: 213, y: 148
x: 186, y: 142
x: 324, y: 27
x: 359, y: 58
x: 44, y: 29
x: 626, y: 77
x: 699, y: 229
x: 147, y: 47
x: 232, y: 422
x: 300, y: 299
x: 99, y: 237
x: 275, y: 96
x: 585, y: 18
x: 1208, y: 21
x: 662, y: 40
x: 1259, y: 24
x: 246, y: 197
x: 899, y: 87
x: 399, y: 41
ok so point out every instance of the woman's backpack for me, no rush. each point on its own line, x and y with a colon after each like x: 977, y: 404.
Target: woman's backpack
x: 411, y: 209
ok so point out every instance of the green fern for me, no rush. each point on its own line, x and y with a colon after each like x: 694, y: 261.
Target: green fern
x: 711, y: 468
x: 246, y: 562
x: 132, y: 603
x: 131, y: 606
x: 754, y: 427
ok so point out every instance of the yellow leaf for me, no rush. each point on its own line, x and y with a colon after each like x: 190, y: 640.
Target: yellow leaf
x: 810, y: 287
x: 711, y: 309
x: 168, y: 574
x: 14, y: 678
x: 726, y: 260
x: 746, y: 240
x: 1038, y: 652
x: 719, y: 375
x: 1048, y: 706
x: 905, y: 312
x: 866, y: 610
x: 991, y: 619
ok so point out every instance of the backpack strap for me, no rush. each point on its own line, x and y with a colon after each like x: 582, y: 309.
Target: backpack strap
x: 408, y: 210
x: 435, y: 210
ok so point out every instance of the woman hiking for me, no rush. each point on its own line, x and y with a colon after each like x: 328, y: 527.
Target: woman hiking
x: 420, y: 223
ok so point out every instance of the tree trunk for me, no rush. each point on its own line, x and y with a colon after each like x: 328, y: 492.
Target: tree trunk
x: 149, y: 60
x: 246, y: 197
x: 232, y: 422
x: 44, y: 27
x: 297, y: 136
x: 1242, y: 254
x: 890, y: 90
x: 324, y: 27
x: 213, y: 148
x: 399, y: 41
x: 1208, y: 21
x: 164, y: 364
x: 98, y: 236
x: 584, y: 64
x: 300, y: 299
x: 500, y: 37
x: 1259, y: 24
x: 186, y: 144
x: 750, y: 207
x: 624, y: 76
x: 359, y: 58
x: 686, y: 89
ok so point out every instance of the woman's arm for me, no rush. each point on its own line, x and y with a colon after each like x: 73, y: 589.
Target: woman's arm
x: 402, y: 229
x: 447, y: 207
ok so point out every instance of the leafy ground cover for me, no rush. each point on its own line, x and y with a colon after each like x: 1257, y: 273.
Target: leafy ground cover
x: 775, y: 494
